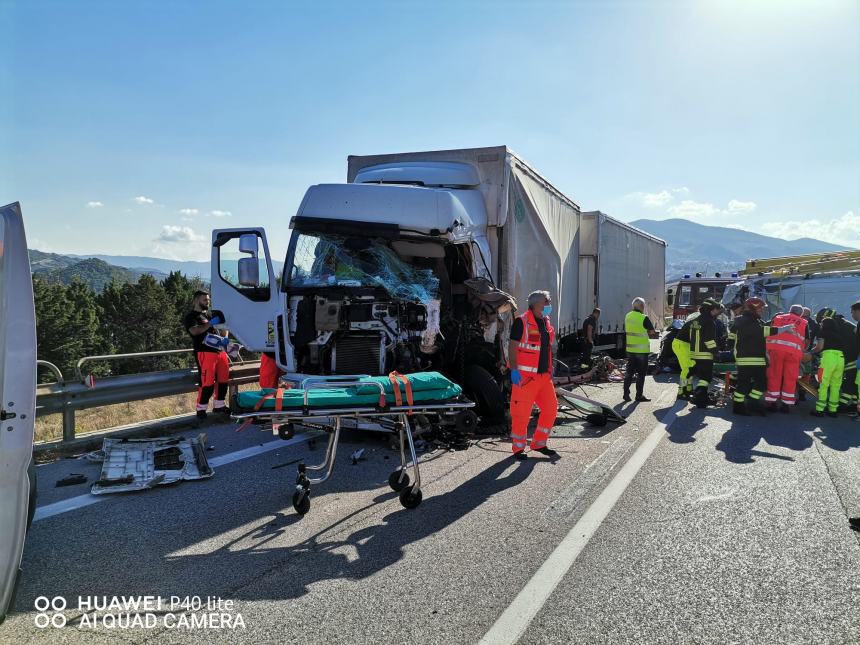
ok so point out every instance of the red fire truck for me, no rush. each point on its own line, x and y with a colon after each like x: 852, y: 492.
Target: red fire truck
x: 685, y: 296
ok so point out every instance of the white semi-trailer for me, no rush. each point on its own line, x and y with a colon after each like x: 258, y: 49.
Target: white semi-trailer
x: 406, y: 267
x: 618, y: 263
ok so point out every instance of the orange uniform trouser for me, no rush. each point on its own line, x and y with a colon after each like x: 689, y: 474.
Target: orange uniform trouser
x: 535, y: 390
x: 269, y: 372
x: 214, y: 378
x: 783, y: 370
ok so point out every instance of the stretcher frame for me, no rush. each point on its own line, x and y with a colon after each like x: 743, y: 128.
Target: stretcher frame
x: 330, y: 420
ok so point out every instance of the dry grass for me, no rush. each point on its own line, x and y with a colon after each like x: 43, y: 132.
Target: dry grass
x: 50, y: 427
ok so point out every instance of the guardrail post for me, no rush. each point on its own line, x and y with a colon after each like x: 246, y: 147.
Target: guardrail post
x: 68, y: 420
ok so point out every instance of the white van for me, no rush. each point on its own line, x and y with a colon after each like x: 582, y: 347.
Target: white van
x: 18, y: 402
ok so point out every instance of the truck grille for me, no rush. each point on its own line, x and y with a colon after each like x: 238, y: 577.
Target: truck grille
x: 358, y: 354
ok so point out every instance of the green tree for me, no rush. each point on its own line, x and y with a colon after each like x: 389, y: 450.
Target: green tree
x: 67, y: 324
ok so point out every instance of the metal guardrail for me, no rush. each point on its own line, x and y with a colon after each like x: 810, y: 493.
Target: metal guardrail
x: 67, y: 398
x: 111, y: 357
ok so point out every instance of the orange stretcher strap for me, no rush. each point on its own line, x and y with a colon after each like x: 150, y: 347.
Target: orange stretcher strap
x: 278, y: 395
x: 396, y: 378
x: 398, y: 399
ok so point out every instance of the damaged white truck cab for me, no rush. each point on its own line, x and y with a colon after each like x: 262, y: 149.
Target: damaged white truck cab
x: 416, y: 263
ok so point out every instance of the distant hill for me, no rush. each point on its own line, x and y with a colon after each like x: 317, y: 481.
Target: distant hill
x: 96, y: 273
x: 163, y: 265
x: 695, y: 247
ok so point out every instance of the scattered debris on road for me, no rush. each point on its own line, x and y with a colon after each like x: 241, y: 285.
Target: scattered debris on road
x: 138, y: 464
x: 71, y: 480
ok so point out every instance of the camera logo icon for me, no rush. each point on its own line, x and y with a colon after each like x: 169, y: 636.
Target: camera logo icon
x: 50, y: 612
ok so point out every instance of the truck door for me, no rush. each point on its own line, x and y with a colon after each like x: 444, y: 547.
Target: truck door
x: 244, y: 286
x: 18, y: 392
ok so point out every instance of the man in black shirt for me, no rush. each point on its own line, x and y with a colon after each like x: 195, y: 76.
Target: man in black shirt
x: 212, y: 364
x: 589, y: 332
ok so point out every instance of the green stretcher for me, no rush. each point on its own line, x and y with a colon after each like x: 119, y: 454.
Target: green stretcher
x: 725, y: 368
x: 363, y: 391
x: 325, y: 401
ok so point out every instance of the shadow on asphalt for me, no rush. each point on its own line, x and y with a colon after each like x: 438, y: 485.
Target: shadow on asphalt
x: 158, y: 565
x: 739, y: 442
x: 839, y: 436
x: 371, y: 549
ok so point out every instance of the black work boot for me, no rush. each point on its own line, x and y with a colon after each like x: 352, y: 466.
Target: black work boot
x: 816, y: 413
x: 700, y: 397
x: 785, y: 408
x: 740, y: 408
x: 201, y: 414
x: 549, y: 452
x: 520, y: 455
x: 626, y: 397
x: 757, y: 407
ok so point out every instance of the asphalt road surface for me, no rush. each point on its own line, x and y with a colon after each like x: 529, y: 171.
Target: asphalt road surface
x: 680, y: 526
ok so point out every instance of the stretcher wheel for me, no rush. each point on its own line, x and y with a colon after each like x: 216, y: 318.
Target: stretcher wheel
x: 286, y: 431
x: 397, y: 484
x: 596, y: 419
x: 410, y: 498
x: 301, y: 502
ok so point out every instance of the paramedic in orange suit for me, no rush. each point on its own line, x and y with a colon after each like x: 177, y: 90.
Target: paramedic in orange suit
x: 270, y: 373
x: 530, y: 359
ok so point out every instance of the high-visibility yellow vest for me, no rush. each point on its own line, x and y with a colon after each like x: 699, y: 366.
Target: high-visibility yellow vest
x: 637, y: 335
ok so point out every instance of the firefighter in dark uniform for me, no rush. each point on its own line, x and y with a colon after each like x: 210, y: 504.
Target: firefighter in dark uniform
x: 703, y: 347
x: 751, y: 357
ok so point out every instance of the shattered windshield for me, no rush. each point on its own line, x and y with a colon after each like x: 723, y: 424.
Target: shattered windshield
x: 322, y: 260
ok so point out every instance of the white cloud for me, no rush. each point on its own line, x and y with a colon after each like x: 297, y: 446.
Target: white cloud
x: 691, y: 209
x: 144, y: 200
x: 844, y: 230
x: 94, y: 204
x: 220, y: 213
x: 188, y: 211
x: 660, y: 198
x: 171, y: 233
x: 736, y: 206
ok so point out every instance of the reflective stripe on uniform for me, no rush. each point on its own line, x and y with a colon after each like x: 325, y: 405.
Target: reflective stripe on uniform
x: 751, y: 362
x: 524, y: 368
x: 702, y: 356
x: 787, y: 343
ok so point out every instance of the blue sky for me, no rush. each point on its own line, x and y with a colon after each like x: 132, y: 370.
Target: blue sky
x: 136, y: 127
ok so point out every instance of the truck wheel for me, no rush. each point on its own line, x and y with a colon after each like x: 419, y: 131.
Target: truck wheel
x: 488, y: 396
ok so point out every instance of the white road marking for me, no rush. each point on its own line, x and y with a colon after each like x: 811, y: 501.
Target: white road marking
x: 565, y: 504
x: 713, y: 498
x: 81, y: 501
x: 514, y: 621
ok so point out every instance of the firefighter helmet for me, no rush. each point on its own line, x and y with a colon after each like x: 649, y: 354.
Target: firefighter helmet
x: 754, y: 303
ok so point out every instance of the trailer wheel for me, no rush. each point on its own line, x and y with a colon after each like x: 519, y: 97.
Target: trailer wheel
x: 488, y: 396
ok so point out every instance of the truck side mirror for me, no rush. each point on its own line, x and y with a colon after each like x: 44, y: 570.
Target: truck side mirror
x: 249, y: 271
x: 670, y: 298
x: 248, y: 244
